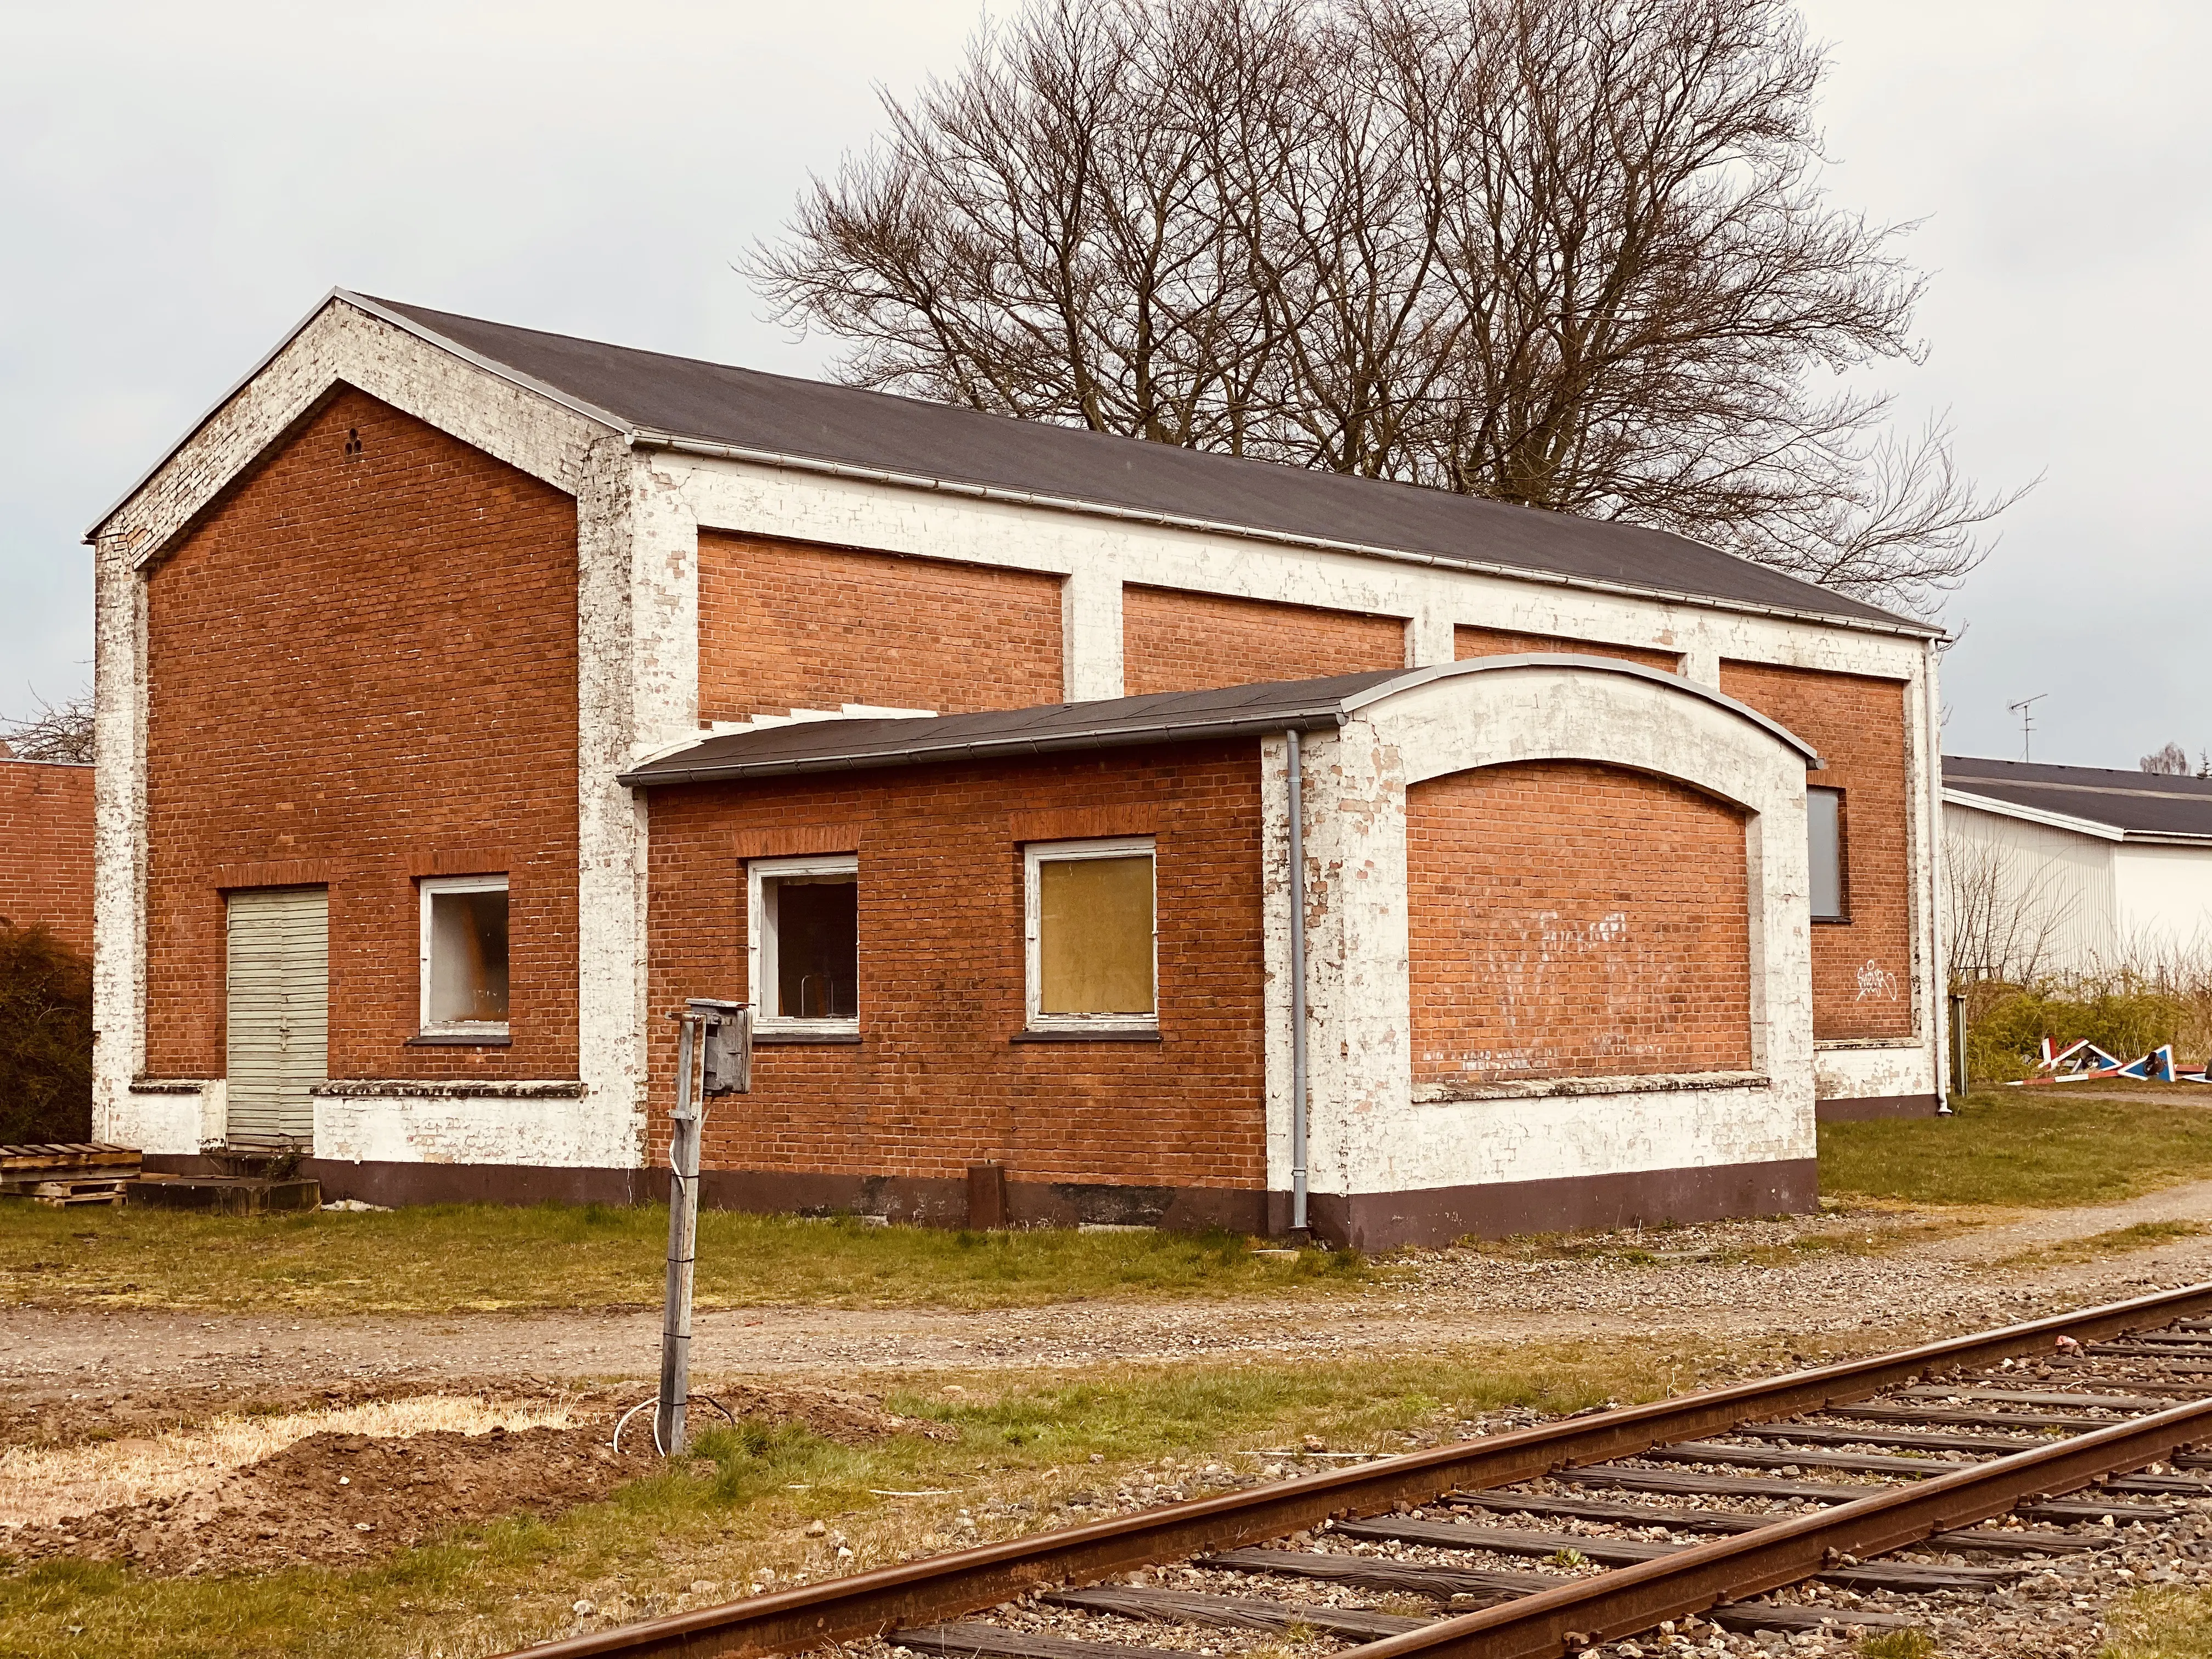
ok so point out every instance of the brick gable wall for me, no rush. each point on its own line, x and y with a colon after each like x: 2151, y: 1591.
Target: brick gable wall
x: 1570, y: 920
x: 1178, y: 641
x: 45, y: 849
x: 935, y: 1085
x: 1862, y: 968
x: 783, y: 626
x: 362, y: 668
x: 1506, y: 643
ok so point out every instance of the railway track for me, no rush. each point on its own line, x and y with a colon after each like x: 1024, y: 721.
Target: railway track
x: 1936, y: 1475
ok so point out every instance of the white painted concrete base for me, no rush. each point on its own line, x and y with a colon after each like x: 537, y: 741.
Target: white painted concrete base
x: 561, y: 1133
x: 1478, y: 1142
x: 169, y: 1120
x: 1865, y: 1071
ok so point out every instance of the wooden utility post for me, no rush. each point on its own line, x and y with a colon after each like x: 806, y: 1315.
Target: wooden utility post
x: 714, y: 1056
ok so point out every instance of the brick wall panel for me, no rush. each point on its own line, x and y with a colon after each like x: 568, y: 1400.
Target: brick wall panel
x: 45, y: 849
x: 1178, y: 641
x: 1862, y: 968
x: 783, y: 626
x: 361, y: 667
x: 935, y: 1084
x: 1506, y: 643
x: 1570, y: 920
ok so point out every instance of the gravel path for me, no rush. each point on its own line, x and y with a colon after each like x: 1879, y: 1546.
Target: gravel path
x: 1822, y: 1280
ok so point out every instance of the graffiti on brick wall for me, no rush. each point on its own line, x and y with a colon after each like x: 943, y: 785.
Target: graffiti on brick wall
x: 1876, y: 982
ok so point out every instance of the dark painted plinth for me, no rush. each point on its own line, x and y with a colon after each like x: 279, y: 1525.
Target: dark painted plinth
x: 1866, y: 1108
x: 1368, y: 1221
x: 1384, y: 1221
x: 226, y: 1194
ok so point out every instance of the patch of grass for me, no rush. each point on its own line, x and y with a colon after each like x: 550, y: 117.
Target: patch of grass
x: 2120, y: 1241
x: 492, y: 1257
x: 733, y: 1514
x: 2038, y: 1148
x: 2159, y: 1623
x: 1898, y: 1645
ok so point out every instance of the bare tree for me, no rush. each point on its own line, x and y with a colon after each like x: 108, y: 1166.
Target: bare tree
x: 58, y: 731
x: 2007, y: 912
x: 2172, y: 760
x: 1570, y: 254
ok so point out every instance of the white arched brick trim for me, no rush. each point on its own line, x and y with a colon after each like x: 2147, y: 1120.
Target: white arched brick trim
x: 1369, y: 1135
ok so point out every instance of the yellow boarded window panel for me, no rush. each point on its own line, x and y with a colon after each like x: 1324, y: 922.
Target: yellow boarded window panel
x: 1094, y: 935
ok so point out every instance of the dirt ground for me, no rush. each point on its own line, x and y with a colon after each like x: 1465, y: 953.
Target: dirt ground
x: 147, y: 1422
x: 336, y: 1498
x: 1865, y: 1272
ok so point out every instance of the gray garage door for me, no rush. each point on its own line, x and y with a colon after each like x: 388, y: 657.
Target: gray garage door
x: 279, y: 1012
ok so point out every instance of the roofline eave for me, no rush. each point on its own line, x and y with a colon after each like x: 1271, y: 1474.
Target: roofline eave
x: 367, y: 307
x: 1311, y: 716
x: 1954, y: 796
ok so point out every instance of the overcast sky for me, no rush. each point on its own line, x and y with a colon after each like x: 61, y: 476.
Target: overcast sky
x: 178, y: 185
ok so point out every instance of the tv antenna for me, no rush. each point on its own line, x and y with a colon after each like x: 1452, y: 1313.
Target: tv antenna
x: 2025, y: 709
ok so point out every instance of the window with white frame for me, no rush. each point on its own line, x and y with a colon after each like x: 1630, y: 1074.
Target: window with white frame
x: 1091, y: 926
x: 465, y: 957
x: 1824, y: 823
x: 804, y: 944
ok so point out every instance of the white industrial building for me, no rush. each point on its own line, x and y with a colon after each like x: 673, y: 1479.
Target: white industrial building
x: 2065, y: 870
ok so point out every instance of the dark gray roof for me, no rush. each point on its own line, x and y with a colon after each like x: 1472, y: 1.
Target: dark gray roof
x: 659, y: 396
x: 1237, y: 711
x: 2144, y: 805
x: 1240, y: 711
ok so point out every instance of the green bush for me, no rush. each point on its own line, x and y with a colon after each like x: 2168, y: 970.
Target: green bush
x: 46, y: 1038
x: 2007, y: 1024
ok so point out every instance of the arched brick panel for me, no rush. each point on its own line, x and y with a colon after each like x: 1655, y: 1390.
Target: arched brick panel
x: 1566, y: 918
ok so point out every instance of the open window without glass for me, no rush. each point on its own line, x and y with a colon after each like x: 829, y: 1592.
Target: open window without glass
x: 465, y: 957
x: 1093, y: 954
x: 806, y: 946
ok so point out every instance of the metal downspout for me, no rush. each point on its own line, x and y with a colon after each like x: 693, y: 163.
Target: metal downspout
x: 1939, y: 970
x: 1298, y: 892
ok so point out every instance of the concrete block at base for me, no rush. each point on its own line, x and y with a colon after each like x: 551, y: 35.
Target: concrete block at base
x: 227, y: 1194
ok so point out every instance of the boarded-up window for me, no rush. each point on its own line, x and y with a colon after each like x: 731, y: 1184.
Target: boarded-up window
x: 1091, y: 935
x: 464, y: 949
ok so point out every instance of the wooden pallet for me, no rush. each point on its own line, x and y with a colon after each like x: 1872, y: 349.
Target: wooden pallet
x: 60, y: 1194
x: 60, y: 1155
x: 26, y: 1171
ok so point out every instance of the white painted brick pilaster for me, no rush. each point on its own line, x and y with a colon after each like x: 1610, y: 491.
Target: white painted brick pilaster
x: 1091, y: 632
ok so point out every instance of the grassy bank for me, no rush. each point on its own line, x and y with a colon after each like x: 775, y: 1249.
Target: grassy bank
x: 735, y: 1517
x: 481, y: 1258
x: 2042, y: 1148
x: 2161, y: 1624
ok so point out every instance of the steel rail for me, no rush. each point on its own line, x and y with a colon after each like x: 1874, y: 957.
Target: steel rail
x: 863, y: 1605
x: 1622, y: 1602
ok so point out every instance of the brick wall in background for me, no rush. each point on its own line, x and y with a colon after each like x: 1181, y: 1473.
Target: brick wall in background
x: 1178, y: 641
x: 1506, y: 642
x: 1863, y: 967
x: 1570, y: 920
x: 361, y: 668
x: 45, y: 848
x: 935, y: 1085
x: 785, y: 626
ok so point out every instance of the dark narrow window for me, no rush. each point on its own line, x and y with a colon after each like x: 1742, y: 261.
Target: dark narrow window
x: 1824, y: 819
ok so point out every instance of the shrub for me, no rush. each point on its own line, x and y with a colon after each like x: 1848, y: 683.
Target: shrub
x: 46, y: 1038
x: 2124, y: 1016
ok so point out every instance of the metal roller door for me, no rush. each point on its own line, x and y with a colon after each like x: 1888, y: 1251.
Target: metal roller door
x: 279, y: 1012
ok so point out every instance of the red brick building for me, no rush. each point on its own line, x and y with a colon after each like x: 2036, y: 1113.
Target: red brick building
x: 470, y: 697
x: 45, y: 848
